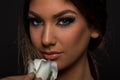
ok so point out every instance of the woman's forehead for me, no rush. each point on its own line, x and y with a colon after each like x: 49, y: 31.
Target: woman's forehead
x: 51, y: 6
x: 50, y: 3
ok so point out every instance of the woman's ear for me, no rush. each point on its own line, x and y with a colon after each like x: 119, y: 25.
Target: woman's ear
x: 94, y: 34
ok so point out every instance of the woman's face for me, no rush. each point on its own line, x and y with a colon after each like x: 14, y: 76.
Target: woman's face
x: 58, y: 31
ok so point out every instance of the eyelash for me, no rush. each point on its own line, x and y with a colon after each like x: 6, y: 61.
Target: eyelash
x: 35, y: 21
x: 63, y: 21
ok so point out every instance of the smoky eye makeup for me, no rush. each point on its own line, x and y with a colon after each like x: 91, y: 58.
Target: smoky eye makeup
x: 66, y: 20
x: 35, y: 21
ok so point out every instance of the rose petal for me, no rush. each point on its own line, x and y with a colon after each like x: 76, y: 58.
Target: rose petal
x: 54, y: 70
x: 42, y: 68
x: 37, y: 63
x: 31, y: 66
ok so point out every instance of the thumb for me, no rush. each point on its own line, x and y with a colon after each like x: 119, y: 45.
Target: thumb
x: 38, y: 79
x: 29, y: 76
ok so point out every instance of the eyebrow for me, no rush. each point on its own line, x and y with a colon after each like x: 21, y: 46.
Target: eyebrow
x: 34, y: 14
x: 56, y: 15
x: 63, y: 13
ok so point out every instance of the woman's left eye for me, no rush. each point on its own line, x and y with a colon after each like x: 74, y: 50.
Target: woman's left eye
x: 65, y: 21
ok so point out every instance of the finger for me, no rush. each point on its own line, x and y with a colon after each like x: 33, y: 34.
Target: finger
x: 29, y: 76
x: 13, y: 78
x: 38, y: 79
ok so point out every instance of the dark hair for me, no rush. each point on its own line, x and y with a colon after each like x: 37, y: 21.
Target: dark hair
x: 94, y: 12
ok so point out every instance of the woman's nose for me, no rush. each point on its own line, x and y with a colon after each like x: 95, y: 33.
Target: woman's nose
x: 48, y: 37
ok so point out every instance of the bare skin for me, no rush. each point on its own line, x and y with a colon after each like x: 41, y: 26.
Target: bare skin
x: 29, y: 76
x: 58, y: 27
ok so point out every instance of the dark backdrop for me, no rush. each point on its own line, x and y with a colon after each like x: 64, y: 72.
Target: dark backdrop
x: 9, y: 11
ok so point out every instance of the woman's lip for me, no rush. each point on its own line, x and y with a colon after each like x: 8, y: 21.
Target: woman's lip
x: 51, y: 55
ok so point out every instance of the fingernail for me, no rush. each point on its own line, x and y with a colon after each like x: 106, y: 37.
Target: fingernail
x: 39, y: 79
x: 31, y: 75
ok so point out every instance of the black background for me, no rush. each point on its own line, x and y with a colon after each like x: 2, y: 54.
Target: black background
x: 9, y: 11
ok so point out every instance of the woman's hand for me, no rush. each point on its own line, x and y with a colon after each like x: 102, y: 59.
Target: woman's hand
x: 29, y: 76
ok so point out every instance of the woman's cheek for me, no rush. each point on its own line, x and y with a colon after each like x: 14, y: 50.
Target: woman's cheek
x: 35, y: 36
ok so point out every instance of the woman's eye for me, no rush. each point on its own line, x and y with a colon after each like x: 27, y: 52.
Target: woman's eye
x: 65, y: 21
x: 35, y: 21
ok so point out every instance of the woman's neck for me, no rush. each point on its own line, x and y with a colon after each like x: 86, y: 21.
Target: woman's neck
x: 78, y: 71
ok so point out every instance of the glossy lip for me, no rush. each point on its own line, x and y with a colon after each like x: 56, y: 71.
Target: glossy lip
x: 51, y: 55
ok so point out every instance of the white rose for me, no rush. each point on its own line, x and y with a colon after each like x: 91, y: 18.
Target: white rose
x: 44, y: 69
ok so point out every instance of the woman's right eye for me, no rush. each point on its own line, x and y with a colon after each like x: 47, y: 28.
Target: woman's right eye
x: 35, y: 21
